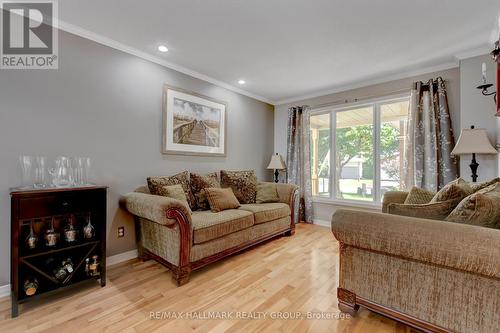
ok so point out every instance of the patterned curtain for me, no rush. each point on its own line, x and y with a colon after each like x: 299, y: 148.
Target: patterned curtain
x: 298, y: 159
x: 428, y: 163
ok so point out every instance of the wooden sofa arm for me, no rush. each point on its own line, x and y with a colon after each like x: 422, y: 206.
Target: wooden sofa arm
x: 155, y: 208
x: 171, y: 214
x: 453, y: 245
x: 393, y: 197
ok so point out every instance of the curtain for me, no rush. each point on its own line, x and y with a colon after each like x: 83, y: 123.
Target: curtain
x: 428, y: 162
x: 298, y: 159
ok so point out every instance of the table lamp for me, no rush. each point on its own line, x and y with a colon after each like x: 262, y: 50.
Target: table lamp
x: 277, y: 164
x: 473, y: 141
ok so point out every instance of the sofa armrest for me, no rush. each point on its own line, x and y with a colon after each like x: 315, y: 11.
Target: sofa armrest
x: 155, y: 208
x: 393, y: 197
x: 458, y: 246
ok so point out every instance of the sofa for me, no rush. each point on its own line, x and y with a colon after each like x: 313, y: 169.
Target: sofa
x: 436, y: 276
x: 184, y: 240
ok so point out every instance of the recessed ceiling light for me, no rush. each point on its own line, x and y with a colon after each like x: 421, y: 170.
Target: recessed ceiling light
x: 162, y: 48
x: 241, y: 81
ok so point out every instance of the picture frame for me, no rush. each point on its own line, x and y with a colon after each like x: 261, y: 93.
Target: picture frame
x: 193, y: 124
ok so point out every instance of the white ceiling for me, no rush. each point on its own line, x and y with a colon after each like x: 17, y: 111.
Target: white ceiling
x: 288, y: 49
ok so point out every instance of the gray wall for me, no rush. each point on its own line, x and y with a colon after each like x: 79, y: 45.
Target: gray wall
x: 479, y: 111
x: 106, y: 104
x: 323, y: 210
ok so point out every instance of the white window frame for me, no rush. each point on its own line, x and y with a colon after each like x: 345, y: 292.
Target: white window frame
x: 332, y: 111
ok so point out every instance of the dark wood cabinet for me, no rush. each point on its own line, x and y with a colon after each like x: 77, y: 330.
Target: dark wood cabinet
x: 36, y: 212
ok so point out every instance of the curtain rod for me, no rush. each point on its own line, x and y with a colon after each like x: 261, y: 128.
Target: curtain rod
x: 360, y: 99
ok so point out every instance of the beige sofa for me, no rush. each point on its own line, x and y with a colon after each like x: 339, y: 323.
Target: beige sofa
x: 433, y: 275
x: 168, y: 232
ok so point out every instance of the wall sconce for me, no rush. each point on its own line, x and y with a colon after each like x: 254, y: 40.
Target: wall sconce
x: 495, y: 54
x: 484, y: 90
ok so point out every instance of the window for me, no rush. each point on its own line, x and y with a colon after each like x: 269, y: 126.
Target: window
x: 320, y: 154
x: 359, y: 158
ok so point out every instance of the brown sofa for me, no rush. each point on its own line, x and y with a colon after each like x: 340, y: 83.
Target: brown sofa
x: 170, y: 233
x: 433, y: 275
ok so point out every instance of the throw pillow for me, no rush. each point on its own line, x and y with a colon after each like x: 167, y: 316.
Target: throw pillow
x: 479, y: 186
x: 435, y: 210
x: 266, y: 192
x: 156, y: 183
x: 481, y: 208
x: 455, y: 190
x: 419, y: 196
x: 243, y: 184
x: 221, y: 199
x: 198, y: 184
x: 174, y: 192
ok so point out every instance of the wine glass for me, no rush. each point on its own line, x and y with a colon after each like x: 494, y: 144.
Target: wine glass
x: 40, y: 172
x: 26, y: 170
x: 85, y: 170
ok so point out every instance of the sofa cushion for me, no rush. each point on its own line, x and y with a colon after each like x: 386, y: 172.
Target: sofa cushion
x: 175, y: 192
x: 155, y: 184
x: 479, y: 186
x: 267, y: 211
x: 208, y: 225
x: 455, y: 190
x: 481, y: 208
x: 243, y: 183
x: 432, y: 210
x: 419, y: 196
x: 221, y: 199
x: 266, y: 192
x: 198, y: 184
x: 200, y: 251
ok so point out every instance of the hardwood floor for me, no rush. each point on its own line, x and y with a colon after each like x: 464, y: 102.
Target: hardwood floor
x: 280, y: 277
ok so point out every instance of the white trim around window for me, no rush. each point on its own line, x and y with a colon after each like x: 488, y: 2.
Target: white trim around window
x: 333, y: 111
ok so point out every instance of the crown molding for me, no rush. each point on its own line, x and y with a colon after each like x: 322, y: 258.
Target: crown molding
x: 76, y: 30
x: 365, y: 83
x: 478, y: 51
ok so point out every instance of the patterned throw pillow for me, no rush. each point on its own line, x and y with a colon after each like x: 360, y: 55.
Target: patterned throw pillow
x: 156, y: 183
x: 419, y: 196
x: 221, y: 199
x: 481, y: 208
x: 174, y: 192
x: 243, y: 184
x: 198, y: 184
x: 455, y: 190
x: 266, y: 192
x: 479, y: 186
x: 435, y: 210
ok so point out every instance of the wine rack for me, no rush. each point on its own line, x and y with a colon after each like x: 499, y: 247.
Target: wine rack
x: 76, y: 219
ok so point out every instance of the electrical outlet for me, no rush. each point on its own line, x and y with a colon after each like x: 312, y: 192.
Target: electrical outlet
x: 121, y: 232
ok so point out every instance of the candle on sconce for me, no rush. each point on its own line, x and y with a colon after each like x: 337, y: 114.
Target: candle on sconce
x: 483, y: 71
x: 499, y: 28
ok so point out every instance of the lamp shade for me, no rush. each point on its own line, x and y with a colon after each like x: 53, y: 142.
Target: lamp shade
x: 276, y: 163
x: 473, y: 141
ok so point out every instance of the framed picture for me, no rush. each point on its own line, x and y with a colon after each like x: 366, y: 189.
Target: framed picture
x: 193, y: 124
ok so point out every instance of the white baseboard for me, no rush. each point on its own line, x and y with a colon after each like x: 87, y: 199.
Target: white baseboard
x: 121, y: 257
x: 323, y: 223
x: 5, y: 290
x: 112, y: 260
